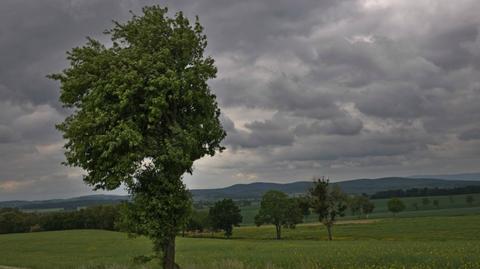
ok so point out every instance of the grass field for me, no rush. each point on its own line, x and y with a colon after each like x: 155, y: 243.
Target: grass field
x: 421, y: 242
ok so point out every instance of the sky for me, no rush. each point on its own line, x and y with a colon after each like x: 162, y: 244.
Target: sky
x: 307, y: 88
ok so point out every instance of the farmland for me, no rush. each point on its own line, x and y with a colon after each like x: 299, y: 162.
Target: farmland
x: 420, y: 242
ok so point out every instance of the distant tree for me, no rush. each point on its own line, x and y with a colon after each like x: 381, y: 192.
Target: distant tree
x: 436, y: 203
x: 395, y: 206
x: 355, y: 204
x: 360, y: 204
x: 141, y: 114
x: 415, y: 205
x: 469, y: 199
x: 328, y: 202
x: 277, y: 209
x: 451, y: 199
x: 303, y: 203
x: 198, y: 221
x: 13, y: 221
x: 224, y: 215
x: 367, y: 207
x: 426, y: 201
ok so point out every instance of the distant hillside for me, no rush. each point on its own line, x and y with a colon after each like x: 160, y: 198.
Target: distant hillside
x: 464, y: 176
x: 253, y: 191
x: 66, y: 204
x: 356, y: 186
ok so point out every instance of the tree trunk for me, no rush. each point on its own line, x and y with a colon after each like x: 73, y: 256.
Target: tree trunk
x: 169, y: 255
x: 278, y: 228
x: 329, y: 230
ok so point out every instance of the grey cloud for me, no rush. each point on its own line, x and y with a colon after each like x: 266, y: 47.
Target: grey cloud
x: 336, y: 126
x: 471, y: 134
x: 6, y: 134
x: 261, y: 134
x: 449, y: 49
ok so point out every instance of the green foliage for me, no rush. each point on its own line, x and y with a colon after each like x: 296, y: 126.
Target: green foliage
x: 328, y: 202
x: 278, y: 209
x: 96, y: 217
x: 303, y: 203
x: 360, y: 204
x: 142, y: 114
x: 395, y: 205
x: 198, y: 221
x: 145, y: 97
x: 224, y: 215
x: 425, y: 201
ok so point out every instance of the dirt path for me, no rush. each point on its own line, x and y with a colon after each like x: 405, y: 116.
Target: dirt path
x: 9, y: 267
x: 340, y: 222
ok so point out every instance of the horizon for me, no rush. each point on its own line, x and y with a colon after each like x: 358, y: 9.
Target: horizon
x: 116, y: 193
x: 348, y: 89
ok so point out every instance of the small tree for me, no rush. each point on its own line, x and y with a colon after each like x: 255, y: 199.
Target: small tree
x: 355, y: 204
x: 469, y: 199
x: 367, y: 207
x: 395, y: 206
x: 436, y: 203
x: 224, y: 215
x: 142, y: 113
x: 277, y: 209
x: 426, y: 201
x: 415, y: 205
x: 328, y: 202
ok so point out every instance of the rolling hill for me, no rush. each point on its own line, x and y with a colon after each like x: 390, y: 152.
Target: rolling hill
x: 356, y: 186
x: 463, y: 176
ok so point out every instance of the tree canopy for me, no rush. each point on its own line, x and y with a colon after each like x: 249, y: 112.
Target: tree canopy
x: 395, y: 205
x: 224, y: 215
x: 278, y: 209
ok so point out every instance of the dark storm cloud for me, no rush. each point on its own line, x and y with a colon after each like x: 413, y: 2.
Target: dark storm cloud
x: 336, y: 126
x: 259, y: 134
x: 351, y: 88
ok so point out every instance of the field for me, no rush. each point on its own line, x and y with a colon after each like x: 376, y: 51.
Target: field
x: 420, y: 242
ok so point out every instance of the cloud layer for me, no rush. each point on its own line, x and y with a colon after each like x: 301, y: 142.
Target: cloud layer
x: 351, y: 88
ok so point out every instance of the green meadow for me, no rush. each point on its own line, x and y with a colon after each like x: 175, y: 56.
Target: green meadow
x: 419, y: 242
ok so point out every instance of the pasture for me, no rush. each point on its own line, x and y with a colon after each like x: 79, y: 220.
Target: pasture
x: 421, y: 242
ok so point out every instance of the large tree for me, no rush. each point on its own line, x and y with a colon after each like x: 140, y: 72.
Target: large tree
x: 224, y: 215
x: 278, y: 209
x: 329, y: 202
x: 142, y: 113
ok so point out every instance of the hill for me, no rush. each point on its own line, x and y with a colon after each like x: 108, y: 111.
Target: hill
x: 355, y: 186
x: 251, y: 191
x: 66, y: 204
x: 463, y: 176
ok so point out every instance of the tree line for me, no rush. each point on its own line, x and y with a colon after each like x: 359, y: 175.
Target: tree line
x: 103, y: 217
x: 418, y: 192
